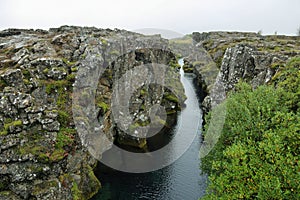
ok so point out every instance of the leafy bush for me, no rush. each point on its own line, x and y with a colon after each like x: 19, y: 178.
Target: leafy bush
x: 288, y: 78
x: 257, y: 155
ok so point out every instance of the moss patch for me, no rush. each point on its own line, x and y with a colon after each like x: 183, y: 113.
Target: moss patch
x: 65, y: 137
x: 6, y: 194
x: 86, y: 187
x: 104, y: 42
x: 104, y: 106
x: 7, y: 126
x: 114, y: 53
x: 53, y: 152
x: 128, y: 141
x: 174, y: 64
x: 35, y: 149
x: 60, y: 92
x: 44, y: 187
x: 93, y: 185
x: 3, y: 84
x: 76, y: 193
x: 63, y: 118
x: 171, y: 97
x: 69, y: 63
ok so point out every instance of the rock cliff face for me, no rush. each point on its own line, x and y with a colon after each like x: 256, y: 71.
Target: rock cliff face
x: 227, y: 57
x: 41, y: 153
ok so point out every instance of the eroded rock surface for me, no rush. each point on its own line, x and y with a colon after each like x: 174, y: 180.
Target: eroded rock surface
x: 224, y: 58
x: 41, y: 153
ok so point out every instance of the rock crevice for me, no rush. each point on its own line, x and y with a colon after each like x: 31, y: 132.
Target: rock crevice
x: 42, y: 156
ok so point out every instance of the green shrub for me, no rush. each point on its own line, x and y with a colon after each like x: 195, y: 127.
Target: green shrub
x: 265, y: 169
x: 257, y: 155
x: 288, y: 78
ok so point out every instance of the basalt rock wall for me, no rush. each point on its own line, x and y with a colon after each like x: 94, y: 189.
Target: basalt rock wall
x: 42, y: 155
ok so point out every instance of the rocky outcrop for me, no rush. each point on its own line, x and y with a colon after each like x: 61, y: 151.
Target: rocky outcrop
x: 42, y: 156
x: 46, y: 140
x: 246, y: 63
x: 224, y: 58
x: 182, y: 46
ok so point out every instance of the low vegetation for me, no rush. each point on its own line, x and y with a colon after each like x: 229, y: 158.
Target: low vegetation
x: 258, y: 154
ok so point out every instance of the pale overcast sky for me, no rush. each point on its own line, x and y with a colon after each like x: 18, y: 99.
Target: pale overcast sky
x: 183, y: 16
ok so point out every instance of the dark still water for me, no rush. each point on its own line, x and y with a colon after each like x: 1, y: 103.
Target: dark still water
x: 178, y: 181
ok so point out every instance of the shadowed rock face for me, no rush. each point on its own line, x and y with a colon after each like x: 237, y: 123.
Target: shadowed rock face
x: 41, y: 153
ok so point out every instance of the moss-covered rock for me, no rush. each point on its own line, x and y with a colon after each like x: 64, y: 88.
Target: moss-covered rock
x: 42, y: 151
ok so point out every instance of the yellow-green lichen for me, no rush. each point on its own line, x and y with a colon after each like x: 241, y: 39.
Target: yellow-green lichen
x: 6, y: 193
x: 71, y: 77
x: 44, y: 186
x: 57, y: 155
x: 114, y: 53
x: 104, y: 106
x: 7, y: 126
x: 171, y: 97
x: 143, y: 92
x: 104, y: 42
x: 174, y: 64
x: 69, y: 63
x: 74, y: 69
x: 76, y: 193
x: 79, y: 190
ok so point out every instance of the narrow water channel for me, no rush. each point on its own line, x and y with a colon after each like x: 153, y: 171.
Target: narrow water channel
x: 178, y: 181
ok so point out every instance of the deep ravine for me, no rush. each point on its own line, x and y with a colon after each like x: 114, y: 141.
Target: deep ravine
x: 180, y: 180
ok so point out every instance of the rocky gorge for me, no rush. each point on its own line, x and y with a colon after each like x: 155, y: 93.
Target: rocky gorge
x: 42, y: 155
x: 228, y: 57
